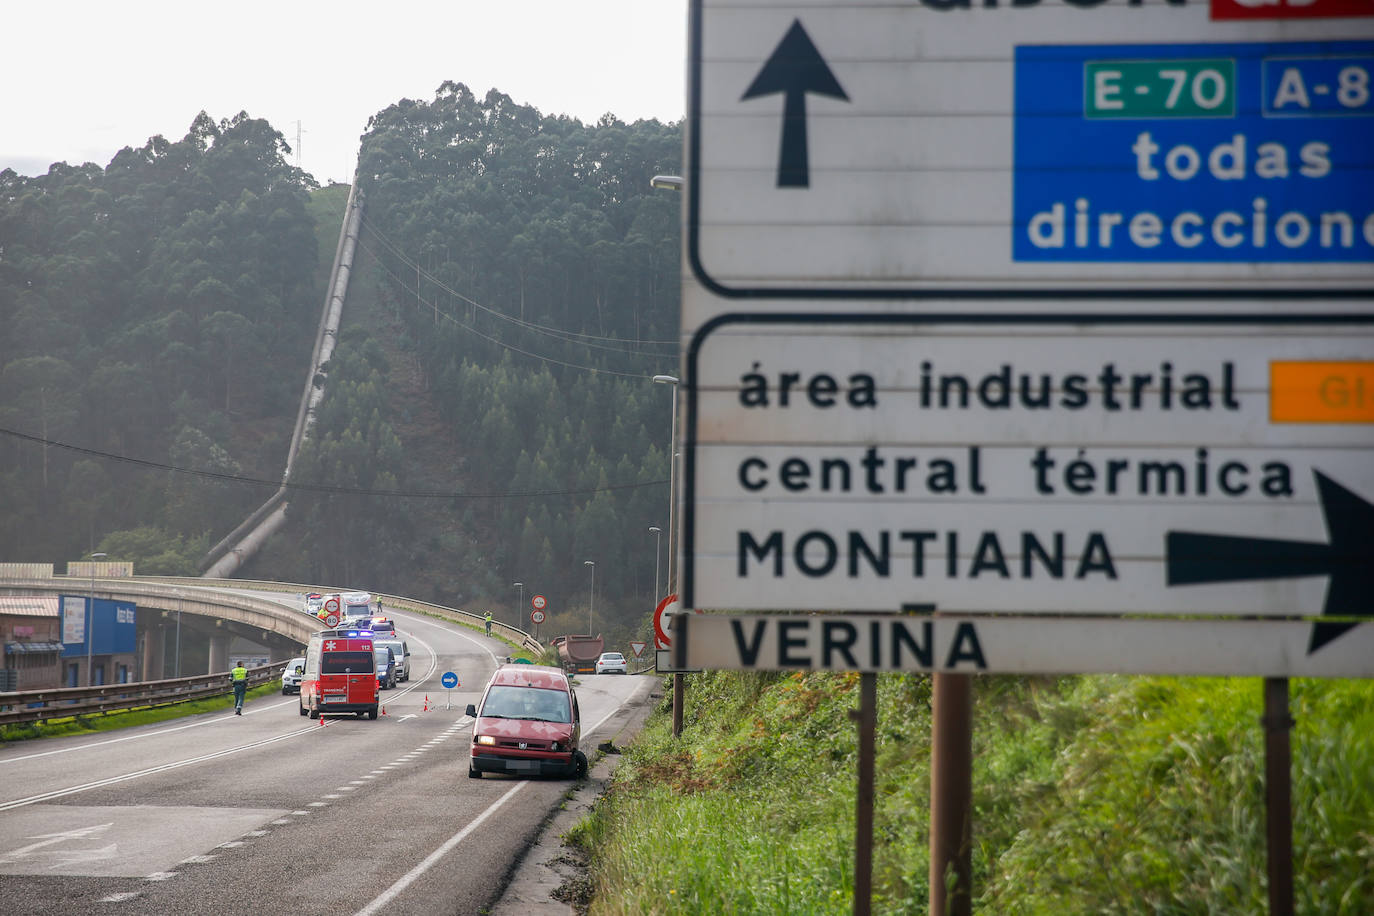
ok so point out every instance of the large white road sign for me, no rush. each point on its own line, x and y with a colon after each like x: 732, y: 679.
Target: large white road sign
x: 867, y: 467
x: 1055, y: 308
x: 1015, y: 645
x: 848, y: 148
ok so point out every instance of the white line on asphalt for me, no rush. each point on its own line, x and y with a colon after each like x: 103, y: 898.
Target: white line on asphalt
x: 429, y: 861
x: 390, y: 893
x: 72, y: 790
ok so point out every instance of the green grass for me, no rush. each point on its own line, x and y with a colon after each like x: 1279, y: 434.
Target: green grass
x: 1091, y: 795
x: 127, y: 718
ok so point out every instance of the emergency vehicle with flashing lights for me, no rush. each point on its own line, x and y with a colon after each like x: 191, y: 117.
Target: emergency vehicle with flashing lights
x: 340, y: 674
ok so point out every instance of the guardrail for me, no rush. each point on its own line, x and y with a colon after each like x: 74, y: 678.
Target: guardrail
x: 26, y: 706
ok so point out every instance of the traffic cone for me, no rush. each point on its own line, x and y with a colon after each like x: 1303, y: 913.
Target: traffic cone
x: 426, y: 709
x: 321, y: 721
x: 383, y: 710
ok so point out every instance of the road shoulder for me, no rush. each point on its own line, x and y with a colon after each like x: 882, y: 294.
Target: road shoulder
x: 547, y: 864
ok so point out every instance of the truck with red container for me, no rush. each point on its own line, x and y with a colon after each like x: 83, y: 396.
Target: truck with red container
x: 578, y: 653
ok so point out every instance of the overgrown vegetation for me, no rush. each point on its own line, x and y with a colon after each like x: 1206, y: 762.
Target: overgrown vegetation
x: 1091, y: 795
x: 159, y: 309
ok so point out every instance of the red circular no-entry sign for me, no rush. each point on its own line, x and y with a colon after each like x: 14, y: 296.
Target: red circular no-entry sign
x: 667, y: 606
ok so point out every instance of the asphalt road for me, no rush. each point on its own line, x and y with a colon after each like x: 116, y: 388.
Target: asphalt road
x: 270, y: 812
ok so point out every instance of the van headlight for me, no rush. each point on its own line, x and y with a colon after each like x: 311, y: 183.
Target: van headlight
x: 555, y: 746
x: 485, y: 739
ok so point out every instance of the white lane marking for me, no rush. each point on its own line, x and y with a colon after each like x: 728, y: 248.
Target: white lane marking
x: 160, y: 876
x: 235, y: 844
x: 405, y: 881
x: 161, y: 768
x: 318, y: 805
x: 459, y: 632
x: 120, y: 897
x: 282, y: 821
x: 198, y: 860
x: 261, y: 832
x: 212, y: 719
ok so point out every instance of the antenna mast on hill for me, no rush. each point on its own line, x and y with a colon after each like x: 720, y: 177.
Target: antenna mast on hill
x: 298, y: 143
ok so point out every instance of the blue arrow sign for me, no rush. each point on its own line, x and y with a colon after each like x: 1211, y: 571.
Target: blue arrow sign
x: 449, y: 680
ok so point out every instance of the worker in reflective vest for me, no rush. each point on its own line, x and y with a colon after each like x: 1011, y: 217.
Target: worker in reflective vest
x: 487, y: 618
x: 239, y: 677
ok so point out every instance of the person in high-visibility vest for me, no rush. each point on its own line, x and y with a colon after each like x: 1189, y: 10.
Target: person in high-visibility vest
x: 239, y: 677
x: 487, y: 618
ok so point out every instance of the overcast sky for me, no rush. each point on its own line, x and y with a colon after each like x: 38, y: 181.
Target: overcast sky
x: 81, y: 79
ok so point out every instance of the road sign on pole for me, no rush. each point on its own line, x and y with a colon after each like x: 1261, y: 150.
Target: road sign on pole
x: 990, y: 309
x: 886, y: 152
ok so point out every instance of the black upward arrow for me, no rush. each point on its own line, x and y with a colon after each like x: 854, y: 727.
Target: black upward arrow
x: 794, y: 69
x: 1348, y: 558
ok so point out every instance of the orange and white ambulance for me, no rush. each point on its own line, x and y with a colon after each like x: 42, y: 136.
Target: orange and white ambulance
x: 340, y: 674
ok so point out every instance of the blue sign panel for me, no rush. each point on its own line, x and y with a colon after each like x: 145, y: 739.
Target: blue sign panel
x: 1252, y: 153
x: 113, y: 629
x: 449, y: 679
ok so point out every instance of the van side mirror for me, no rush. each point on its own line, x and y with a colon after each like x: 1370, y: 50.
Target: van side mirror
x: 472, y: 710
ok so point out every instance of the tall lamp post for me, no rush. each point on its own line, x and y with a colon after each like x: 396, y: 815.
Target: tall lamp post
x: 672, y: 480
x: 591, y: 601
x: 658, y: 552
x: 672, y: 183
x: 90, y: 622
x: 519, y: 601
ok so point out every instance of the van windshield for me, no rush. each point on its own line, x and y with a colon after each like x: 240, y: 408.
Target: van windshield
x: 343, y: 662
x: 506, y: 702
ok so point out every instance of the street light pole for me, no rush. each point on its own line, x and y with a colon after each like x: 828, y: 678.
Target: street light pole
x: 672, y: 482
x: 591, y: 600
x: 90, y: 622
x: 519, y: 601
x: 658, y: 551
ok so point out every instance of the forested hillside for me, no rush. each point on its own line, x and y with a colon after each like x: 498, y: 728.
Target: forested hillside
x: 158, y: 309
x: 517, y: 291
x: 489, y: 414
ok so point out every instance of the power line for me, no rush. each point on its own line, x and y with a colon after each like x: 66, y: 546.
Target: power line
x: 322, y: 488
x: 617, y: 344
x: 497, y: 341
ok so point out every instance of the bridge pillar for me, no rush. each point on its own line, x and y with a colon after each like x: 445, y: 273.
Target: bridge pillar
x: 153, y: 653
x: 219, y: 654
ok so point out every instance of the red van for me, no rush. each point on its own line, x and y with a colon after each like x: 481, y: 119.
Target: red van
x: 527, y: 724
x: 340, y: 674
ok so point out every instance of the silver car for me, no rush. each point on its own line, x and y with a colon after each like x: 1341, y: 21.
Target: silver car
x: 291, y: 676
x: 401, y: 651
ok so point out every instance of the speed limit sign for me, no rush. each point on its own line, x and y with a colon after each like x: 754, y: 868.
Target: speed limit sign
x: 538, y: 603
x: 537, y: 616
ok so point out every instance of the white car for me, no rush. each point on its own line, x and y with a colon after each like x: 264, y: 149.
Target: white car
x: 612, y: 663
x: 291, y: 676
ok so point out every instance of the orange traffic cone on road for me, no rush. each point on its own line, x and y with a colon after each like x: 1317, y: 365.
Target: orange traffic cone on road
x: 426, y: 709
x: 383, y: 710
x: 321, y: 721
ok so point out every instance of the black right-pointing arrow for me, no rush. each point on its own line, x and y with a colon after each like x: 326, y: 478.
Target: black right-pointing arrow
x: 1197, y: 559
x: 794, y: 69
